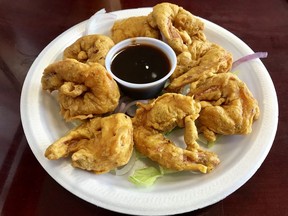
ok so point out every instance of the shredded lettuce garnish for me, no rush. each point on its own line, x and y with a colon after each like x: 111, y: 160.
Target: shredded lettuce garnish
x: 145, y: 176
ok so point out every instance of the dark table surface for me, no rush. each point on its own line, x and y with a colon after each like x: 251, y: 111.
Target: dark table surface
x: 27, y: 26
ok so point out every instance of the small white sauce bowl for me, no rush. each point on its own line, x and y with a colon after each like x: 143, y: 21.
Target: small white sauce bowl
x: 145, y: 90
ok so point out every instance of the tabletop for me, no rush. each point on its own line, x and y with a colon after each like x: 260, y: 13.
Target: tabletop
x: 28, y: 26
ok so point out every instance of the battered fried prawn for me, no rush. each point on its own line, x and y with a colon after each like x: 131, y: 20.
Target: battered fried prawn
x: 85, y: 90
x: 228, y: 107
x: 163, y: 115
x: 184, y: 64
x: 205, y: 59
x: 98, y: 145
x: 191, y: 58
x: 89, y: 48
x: 133, y: 27
x: 178, y: 26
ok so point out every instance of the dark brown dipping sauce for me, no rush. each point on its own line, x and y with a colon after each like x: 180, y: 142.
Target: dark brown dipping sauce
x: 140, y: 63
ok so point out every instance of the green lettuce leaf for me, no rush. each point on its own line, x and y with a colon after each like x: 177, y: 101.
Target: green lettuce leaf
x: 145, y: 176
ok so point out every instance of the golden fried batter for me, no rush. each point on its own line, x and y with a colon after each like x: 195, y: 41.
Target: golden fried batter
x: 89, y: 48
x: 163, y: 115
x: 218, y: 102
x: 98, y: 145
x: 205, y: 60
x: 178, y: 26
x: 184, y: 64
x: 133, y: 27
x: 85, y: 90
x: 162, y: 150
x: 228, y: 107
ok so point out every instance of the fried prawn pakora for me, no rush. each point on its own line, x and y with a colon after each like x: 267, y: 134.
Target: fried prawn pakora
x: 217, y: 103
x: 177, y: 25
x: 190, y: 58
x: 162, y: 115
x: 228, y: 107
x: 133, y: 27
x: 196, y: 56
x: 89, y: 48
x: 85, y: 90
x: 98, y: 145
x: 202, y: 60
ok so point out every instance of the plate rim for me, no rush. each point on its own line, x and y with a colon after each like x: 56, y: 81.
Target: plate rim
x: 27, y: 128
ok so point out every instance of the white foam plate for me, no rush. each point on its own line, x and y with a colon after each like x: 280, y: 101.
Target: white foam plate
x: 240, y: 156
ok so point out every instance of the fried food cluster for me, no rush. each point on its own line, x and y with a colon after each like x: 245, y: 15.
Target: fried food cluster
x: 84, y: 90
x: 217, y: 102
x: 178, y: 26
x: 98, y: 145
x: 162, y: 115
x: 227, y: 105
x: 203, y: 59
x: 89, y: 48
x: 133, y: 27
